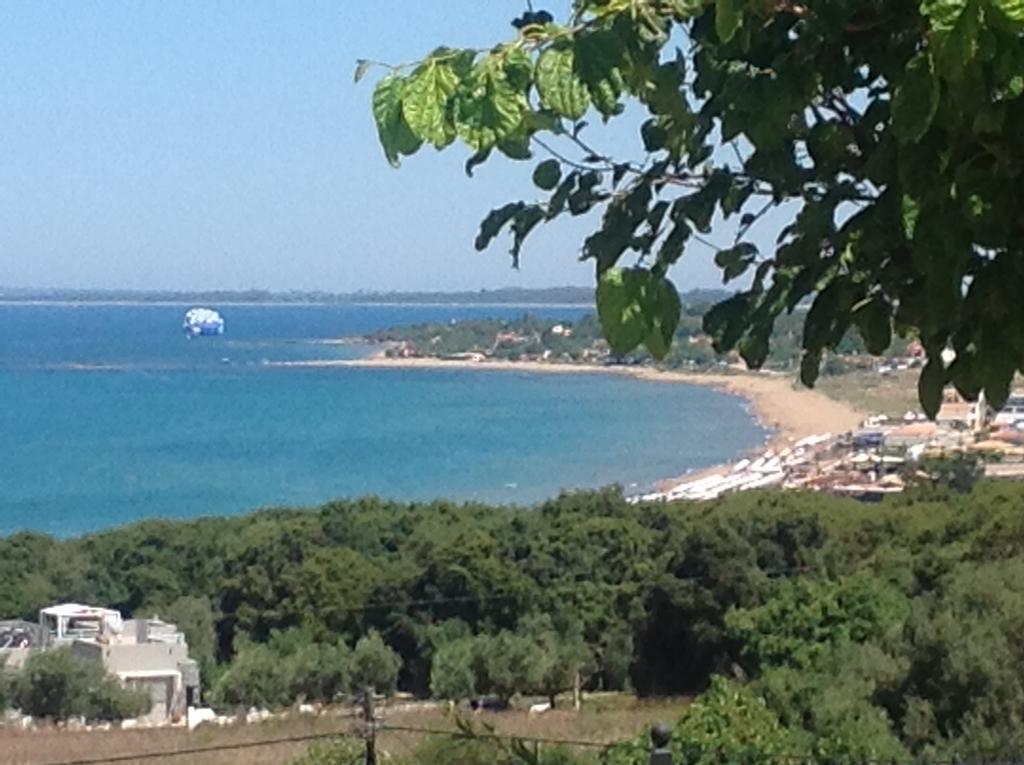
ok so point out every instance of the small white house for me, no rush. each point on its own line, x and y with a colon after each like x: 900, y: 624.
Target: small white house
x: 148, y: 654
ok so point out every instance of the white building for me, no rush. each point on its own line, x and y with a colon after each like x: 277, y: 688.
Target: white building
x: 67, y: 622
x: 148, y: 654
x: 1012, y: 411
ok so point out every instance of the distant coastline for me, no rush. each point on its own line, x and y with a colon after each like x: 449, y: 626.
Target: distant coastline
x: 541, y: 297
x: 65, y: 303
x: 558, y: 296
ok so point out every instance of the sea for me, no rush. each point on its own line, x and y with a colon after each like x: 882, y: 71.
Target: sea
x: 109, y: 414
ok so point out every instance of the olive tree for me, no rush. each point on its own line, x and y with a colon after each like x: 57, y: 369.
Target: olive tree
x: 58, y: 685
x: 374, y: 663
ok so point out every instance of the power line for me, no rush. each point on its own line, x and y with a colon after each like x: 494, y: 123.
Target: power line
x: 804, y: 759
x: 204, y: 749
x: 492, y: 736
x: 495, y: 736
x: 427, y: 602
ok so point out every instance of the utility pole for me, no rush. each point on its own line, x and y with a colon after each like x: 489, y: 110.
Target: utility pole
x: 370, y: 729
x: 661, y: 735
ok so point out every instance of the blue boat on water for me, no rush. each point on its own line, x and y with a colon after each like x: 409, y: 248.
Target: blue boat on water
x: 203, y: 322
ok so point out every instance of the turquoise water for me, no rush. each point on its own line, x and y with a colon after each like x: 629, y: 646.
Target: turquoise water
x: 108, y: 415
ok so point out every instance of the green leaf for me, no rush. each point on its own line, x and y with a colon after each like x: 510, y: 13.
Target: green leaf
x: 1013, y: 9
x: 665, y: 91
x: 810, y: 367
x: 916, y: 100
x: 734, y: 200
x: 874, y: 322
x: 672, y: 246
x: 943, y: 14
x: 734, y: 261
x: 620, y: 308
x: 362, y: 67
x: 654, y: 136
x: 963, y: 373
x: 487, y: 108
x: 828, y: 144
x: 560, y: 89
x: 662, y: 308
x: 598, y: 62
x: 547, y: 175
x: 999, y: 363
x: 930, y: 386
x: 425, y: 104
x: 476, y: 160
x: 636, y: 306
x: 395, y: 136
x: 523, y: 223
x: 754, y: 347
x: 543, y: 120
x: 518, y: 68
x: 556, y: 204
x: 683, y: 10
x: 516, y: 145
x: 727, y: 19
x: 462, y: 62
x: 583, y: 199
x: 956, y: 27
x: 726, y: 321
x: 656, y: 216
x: 496, y: 219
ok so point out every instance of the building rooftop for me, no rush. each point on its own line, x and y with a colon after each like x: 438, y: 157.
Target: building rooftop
x: 77, y: 609
x: 70, y: 621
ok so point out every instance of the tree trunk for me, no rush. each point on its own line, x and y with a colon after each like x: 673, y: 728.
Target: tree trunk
x: 577, y: 692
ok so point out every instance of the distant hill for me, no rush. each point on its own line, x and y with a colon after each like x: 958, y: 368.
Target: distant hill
x: 505, y: 296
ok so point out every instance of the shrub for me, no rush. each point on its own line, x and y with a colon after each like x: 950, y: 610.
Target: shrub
x: 57, y: 685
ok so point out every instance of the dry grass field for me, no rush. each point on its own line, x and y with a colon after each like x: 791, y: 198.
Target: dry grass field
x: 873, y: 393
x: 603, y: 720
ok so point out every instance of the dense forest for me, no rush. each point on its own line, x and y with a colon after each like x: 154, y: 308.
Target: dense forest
x: 887, y: 630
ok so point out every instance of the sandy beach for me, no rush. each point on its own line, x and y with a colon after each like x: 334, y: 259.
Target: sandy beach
x: 791, y: 412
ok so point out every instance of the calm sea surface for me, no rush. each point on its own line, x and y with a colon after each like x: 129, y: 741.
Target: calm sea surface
x: 108, y: 414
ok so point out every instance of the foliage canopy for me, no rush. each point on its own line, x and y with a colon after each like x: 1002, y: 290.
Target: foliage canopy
x: 885, y: 134
x: 877, y: 632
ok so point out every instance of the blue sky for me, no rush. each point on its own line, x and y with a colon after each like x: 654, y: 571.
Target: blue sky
x: 223, y: 145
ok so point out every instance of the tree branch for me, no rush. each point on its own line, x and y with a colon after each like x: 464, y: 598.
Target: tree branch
x: 743, y: 229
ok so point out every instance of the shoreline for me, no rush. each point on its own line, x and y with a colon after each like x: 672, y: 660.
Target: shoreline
x: 788, y: 412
